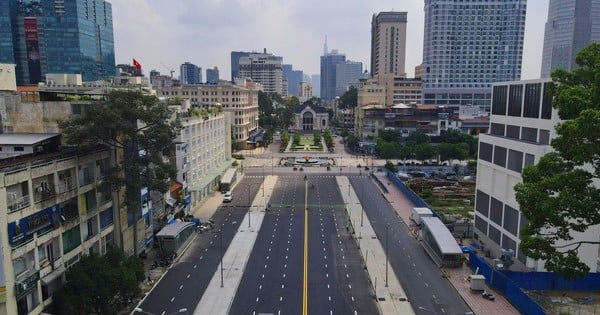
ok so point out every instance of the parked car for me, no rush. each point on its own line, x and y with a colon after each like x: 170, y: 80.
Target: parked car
x: 228, y: 197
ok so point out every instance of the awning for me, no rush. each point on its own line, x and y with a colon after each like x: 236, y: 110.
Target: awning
x: 175, y: 188
x: 171, y: 201
x: 46, y: 280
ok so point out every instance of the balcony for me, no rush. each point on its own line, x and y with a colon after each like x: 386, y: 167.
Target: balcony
x: 65, y: 186
x: 44, y: 193
x: 18, y: 203
x: 27, y: 285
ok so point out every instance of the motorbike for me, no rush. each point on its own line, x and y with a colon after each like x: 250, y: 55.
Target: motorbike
x: 488, y: 296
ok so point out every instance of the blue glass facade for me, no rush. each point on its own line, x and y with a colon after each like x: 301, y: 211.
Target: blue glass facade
x: 329, y: 74
x: 61, y: 36
x: 6, y: 36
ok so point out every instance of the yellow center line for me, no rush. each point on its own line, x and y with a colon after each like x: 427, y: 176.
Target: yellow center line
x: 305, y: 276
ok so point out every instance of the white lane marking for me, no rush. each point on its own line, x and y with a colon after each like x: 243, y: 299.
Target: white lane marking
x: 350, y: 286
x: 328, y: 286
x: 172, y: 299
x: 284, y: 275
x: 181, y: 287
x: 260, y: 287
x: 257, y: 299
x: 263, y: 276
x: 188, y: 276
x: 284, y: 265
x: 200, y: 258
x: 345, y: 266
x: 283, y: 286
x: 325, y: 265
x: 329, y: 298
x: 211, y: 242
x: 352, y: 299
x: 195, y: 266
x: 347, y: 276
x: 265, y: 266
x: 326, y: 275
x: 280, y: 298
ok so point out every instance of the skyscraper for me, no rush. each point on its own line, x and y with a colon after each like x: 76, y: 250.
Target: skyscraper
x: 235, y: 63
x: 315, y: 79
x: 294, y: 78
x: 266, y: 69
x: 388, y: 43
x: 467, y: 46
x: 69, y: 36
x: 347, y: 74
x: 212, y: 75
x: 190, y: 74
x: 328, y: 74
x: 571, y: 25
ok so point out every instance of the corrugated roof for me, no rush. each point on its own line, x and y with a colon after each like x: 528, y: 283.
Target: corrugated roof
x: 443, y: 237
x: 174, y: 228
x: 24, y: 138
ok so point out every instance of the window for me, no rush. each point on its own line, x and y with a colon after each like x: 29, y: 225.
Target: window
x: 511, y: 220
x: 481, y: 224
x: 544, y: 137
x: 482, y: 202
x: 514, y: 100
x: 496, y: 211
x: 485, y: 151
x: 498, y: 100
x: 500, y: 156
x: 529, y: 134
x: 18, y: 149
x: 494, y: 234
x: 497, y: 129
x: 512, y: 131
x: 515, y: 160
x: 532, y: 100
x: 547, y: 102
x: 529, y: 159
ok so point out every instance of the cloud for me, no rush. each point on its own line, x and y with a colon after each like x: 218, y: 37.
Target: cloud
x: 205, y: 32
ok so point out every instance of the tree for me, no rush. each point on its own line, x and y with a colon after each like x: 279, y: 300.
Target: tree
x: 349, y: 99
x: 352, y: 142
x: 424, y: 151
x: 317, y: 137
x: 454, y: 136
x: 392, y: 135
x: 138, y: 126
x: 391, y: 167
x: 265, y: 109
x: 417, y: 137
x: 387, y: 150
x: 558, y: 195
x: 100, y: 285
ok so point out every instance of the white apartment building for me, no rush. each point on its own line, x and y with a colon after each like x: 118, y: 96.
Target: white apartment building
x: 53, y: 212
x: 522, y: 124
x: 240, y: 101
x: 202, y: 150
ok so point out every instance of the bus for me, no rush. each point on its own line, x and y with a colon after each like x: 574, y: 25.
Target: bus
x: 228, y: 180
x: 439, y: 243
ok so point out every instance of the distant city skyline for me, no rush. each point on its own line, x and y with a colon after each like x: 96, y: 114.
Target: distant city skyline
x: 165, y: 34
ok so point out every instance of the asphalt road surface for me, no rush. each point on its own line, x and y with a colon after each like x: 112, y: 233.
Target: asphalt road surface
x: 426, y: 288
x: 274, y: 281
x: 184, y: 283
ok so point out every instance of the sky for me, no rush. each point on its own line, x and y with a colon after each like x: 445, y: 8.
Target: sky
x: 163, y: 34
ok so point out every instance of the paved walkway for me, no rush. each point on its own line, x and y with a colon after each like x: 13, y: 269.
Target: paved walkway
x: 391, y: 299
x: 458, y: 277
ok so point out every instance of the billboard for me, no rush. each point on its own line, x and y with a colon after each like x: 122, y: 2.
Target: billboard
x: 22, y: 230
x: 33, y: 50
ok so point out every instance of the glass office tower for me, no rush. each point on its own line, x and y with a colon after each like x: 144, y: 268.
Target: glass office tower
x: 60, y: 36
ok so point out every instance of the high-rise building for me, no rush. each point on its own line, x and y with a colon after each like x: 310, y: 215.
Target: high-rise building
x: 74, y: 36
x: 467, y: 46
x: 266, y: 69
x: 328, y: 74
x: 522, y: 125
x: 347, y: 74
x: 235, y: 63
x: 571, y: 25
x: 316, y: 83
x: 212, y: 75
x: 294, y: 78
x: 388, y: 43
x: 190, y: 74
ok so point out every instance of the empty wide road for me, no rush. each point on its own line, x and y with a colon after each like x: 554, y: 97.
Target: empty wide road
x: 304, y: 259
x: 426, y: 288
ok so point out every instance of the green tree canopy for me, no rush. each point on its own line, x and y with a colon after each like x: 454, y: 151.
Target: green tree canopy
x: 350, y: 98
x: 558, y: 195
x: 424, y: 151
x: 391, y: 135
x: 455, y: 136
x: 100, y: 285
x: 417, y: 137
x: 387, y: 150
x: 141, y: 128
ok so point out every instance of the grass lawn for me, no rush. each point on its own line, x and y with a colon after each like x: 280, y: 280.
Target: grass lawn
x: 306, y: 140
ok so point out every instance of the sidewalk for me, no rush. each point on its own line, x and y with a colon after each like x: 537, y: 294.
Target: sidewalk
x: 458, y: 277
x: 391, y: 299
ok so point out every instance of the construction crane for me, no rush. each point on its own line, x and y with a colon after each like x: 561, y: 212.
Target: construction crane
x: 168, y: 69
